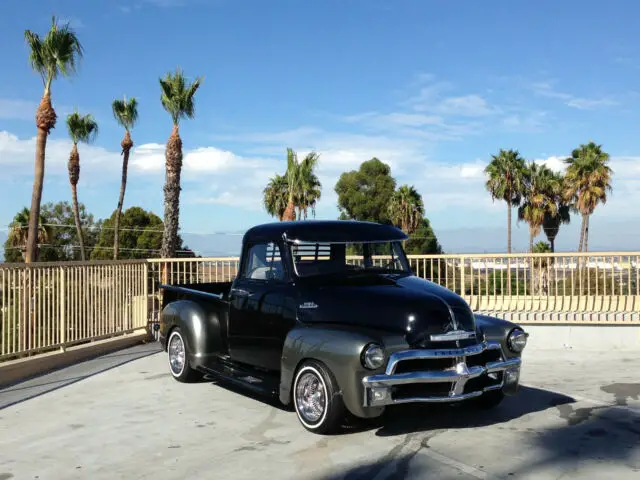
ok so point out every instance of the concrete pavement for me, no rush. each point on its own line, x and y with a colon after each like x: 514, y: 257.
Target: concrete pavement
x: 122, y: 416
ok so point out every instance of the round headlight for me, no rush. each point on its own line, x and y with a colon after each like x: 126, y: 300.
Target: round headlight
x: 517, y: 340
x: 373, y: 356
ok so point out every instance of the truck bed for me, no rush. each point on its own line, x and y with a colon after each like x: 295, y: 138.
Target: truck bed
x: 214, y: 290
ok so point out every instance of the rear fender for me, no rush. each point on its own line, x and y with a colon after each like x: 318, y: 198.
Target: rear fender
x: 203, y: 328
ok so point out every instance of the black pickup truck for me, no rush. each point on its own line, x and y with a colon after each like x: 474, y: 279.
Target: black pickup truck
x: 315, y: 318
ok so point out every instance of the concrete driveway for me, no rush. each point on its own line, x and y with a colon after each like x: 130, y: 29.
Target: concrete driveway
x: 122, y: 416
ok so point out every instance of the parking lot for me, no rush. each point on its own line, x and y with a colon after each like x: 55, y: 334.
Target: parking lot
x: 122, y: 416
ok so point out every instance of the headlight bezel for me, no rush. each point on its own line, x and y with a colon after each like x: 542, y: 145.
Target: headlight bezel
x: 517, y: 340
x: 366, y: 355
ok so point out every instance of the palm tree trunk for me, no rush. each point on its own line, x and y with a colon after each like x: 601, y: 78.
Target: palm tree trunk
x: 508, y: 227
x: 531, y: 236
x: 586, y: 235
x: 76, y: 216
x: 126, y: 148
x: 74, y: 176
x: 552, y: 241
x: 45, y: 121
x: 290, y: 212
x: 173, y: 159
x: 582, y: 230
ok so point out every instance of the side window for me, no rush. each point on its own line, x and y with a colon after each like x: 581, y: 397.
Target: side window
x: 264, y: 262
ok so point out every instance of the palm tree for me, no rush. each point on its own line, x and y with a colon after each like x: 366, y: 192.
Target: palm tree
x: 406, y: 209
x: 587, y: 181
x: 18, y: 229
x: 541, y: 188
x: 303, y: 185
x: 126, y: 114
x: 310, y: 187
x: 275, y: 196
x: 177, y: 99
x: 81, y: 129
x: 54, y: 54
x: 551, y: 223
x: 505, y: 182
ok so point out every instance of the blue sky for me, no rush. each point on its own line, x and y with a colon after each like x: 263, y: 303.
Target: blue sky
x: 433, y: 88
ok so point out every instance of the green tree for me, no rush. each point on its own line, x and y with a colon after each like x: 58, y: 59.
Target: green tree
x: 423, y: 241
x: 126, y: 114
x: 541, y: 187
x: 364, y: 194
x: 406, y: 209
x: 276, y: 196
x: 140, y: 236
x: 587, y: 181
x: 15, y: 246
x: 177, y: 97
x: 552, y: 222
x: 54, y: 54
x: 505, y: 182
x: 81, y: 129
x: 57, y: 220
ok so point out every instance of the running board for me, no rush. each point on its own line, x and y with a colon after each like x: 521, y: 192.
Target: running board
x: 263, y: 384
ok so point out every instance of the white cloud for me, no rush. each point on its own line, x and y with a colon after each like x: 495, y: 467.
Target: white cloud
x: 18, y: 154
x: 546, y: 89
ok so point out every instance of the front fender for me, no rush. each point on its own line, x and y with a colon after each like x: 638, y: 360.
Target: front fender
x: 498, y: 330
x: 202, y: 328
x: 339, y: 349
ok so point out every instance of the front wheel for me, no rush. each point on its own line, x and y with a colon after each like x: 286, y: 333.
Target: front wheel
x: 317, y: 399
x: 179, y: 359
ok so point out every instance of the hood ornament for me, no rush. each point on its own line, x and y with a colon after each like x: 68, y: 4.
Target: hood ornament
x: 308, y: 305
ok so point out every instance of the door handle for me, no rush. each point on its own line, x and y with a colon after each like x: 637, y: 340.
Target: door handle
x: 240, y: 291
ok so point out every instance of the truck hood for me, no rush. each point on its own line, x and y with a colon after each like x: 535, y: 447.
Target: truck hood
x: 398, y: 304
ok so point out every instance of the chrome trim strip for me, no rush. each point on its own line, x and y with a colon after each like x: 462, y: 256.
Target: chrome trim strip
x: 460, y: 372
x: 452, y: 335
x: 422, y: 354
x: 454, y: 398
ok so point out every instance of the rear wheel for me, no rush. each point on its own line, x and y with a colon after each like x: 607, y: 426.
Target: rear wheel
x: 316, y: 398
x: 179, y: 359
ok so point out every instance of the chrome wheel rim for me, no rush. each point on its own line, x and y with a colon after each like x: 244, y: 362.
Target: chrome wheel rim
x: 311, y: 398
x: 176, y: 354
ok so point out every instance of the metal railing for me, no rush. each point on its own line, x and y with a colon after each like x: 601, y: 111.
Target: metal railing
x: 48, y: 306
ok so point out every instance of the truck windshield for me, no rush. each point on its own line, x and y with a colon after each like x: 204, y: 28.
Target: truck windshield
x: 312, y: 259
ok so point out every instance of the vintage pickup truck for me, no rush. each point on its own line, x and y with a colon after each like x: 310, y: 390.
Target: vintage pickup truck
x: 332, y: 336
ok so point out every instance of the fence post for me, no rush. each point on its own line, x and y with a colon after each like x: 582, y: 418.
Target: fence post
x: 462, y: 285
x: 63, y: 309
x: 145, y: 289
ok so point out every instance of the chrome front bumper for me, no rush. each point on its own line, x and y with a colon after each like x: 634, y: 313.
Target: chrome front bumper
x: 451, y: 383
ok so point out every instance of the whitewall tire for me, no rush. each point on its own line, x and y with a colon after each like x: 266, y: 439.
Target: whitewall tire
x: 178, y: 357
x: 316, y: 398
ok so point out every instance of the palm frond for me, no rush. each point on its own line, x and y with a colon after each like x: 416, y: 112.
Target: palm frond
x: 56, y: 53
x: 82, y: 128
x: 177, y: 95
x: 125, y: 112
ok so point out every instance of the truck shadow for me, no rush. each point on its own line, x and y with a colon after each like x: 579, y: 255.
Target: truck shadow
x: 412, y: 418
x: 585, y: 441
